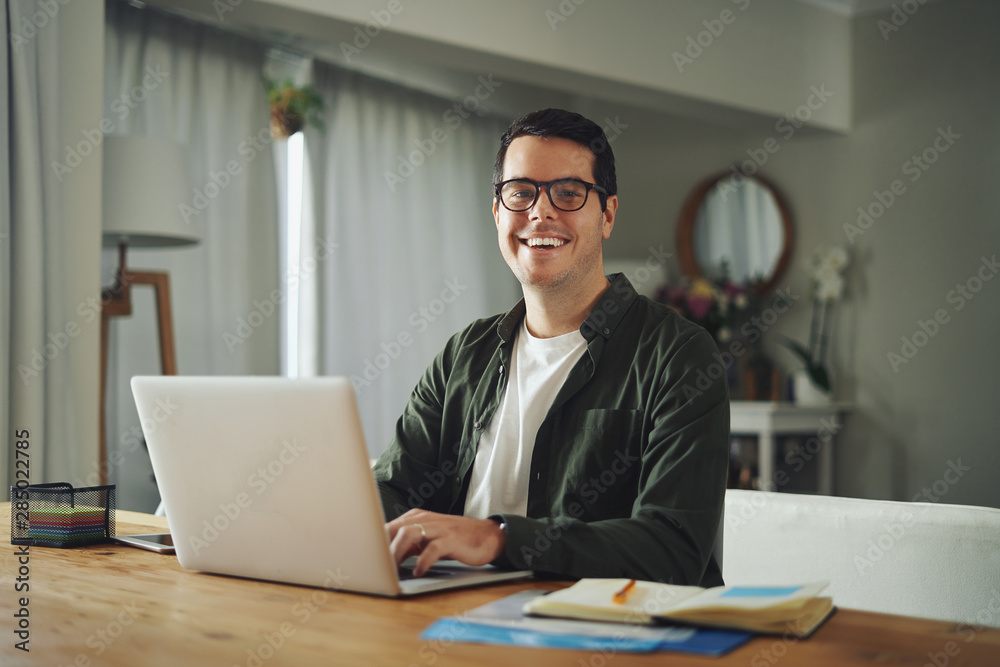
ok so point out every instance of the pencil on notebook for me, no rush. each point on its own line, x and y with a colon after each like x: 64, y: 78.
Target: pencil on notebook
x: 622, y: 595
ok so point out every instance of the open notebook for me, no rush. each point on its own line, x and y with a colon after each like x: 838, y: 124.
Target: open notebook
x: 797, y: 610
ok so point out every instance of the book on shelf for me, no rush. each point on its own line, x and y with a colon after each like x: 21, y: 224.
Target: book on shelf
x: 796, y: 610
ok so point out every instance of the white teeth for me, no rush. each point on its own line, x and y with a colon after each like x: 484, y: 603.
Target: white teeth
x: 549, y: 242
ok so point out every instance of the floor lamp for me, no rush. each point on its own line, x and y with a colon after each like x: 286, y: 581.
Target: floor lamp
x: 145, y: 182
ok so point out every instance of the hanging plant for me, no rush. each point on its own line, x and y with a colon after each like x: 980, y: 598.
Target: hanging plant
x: 292, y: 107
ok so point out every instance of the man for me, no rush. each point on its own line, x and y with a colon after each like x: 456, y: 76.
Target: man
x: 568, y: 436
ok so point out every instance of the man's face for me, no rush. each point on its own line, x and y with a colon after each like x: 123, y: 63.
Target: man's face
x: 545, y: 247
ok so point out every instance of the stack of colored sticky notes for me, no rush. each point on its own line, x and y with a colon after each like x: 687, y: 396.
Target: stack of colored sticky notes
x: 67, y: 524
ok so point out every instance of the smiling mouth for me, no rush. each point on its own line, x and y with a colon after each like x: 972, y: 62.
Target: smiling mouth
x: 549, y: 242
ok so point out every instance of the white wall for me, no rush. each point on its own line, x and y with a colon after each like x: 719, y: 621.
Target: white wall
x: 937, y: 72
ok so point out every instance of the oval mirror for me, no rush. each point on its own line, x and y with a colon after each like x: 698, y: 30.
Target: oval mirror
x: 736, y: 224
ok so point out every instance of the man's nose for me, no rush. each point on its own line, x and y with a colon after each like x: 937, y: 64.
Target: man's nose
x: 543, y: 208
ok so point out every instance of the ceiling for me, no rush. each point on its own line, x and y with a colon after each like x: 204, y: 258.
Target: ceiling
x: 435, y: 70
x: 860, y: 7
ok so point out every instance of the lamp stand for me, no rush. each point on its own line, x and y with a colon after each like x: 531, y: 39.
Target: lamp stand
x: 117, y: 301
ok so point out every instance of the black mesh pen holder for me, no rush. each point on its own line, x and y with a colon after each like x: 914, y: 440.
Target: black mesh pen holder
x: 57, y: 515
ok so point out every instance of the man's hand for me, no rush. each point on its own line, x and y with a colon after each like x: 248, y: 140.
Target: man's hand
x: 432, y: 536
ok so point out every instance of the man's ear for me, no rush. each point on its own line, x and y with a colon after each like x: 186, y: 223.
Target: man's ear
x: 496, y: 212
x: 608, y: 222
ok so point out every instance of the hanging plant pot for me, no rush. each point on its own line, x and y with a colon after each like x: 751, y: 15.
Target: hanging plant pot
x: 292, y: 108
x: 284, y: 124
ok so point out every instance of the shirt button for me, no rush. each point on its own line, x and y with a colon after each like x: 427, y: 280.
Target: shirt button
x: 501, y: 370
x: 607, y: 331
x: 478, y: 426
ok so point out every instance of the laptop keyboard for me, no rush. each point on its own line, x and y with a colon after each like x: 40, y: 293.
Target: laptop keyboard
x: 406, y: 572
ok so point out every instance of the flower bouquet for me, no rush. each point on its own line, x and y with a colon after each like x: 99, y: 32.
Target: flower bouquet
x: 719, y: 305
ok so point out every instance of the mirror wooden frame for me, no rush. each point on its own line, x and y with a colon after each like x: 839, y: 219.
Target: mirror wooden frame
x: 689, y: 214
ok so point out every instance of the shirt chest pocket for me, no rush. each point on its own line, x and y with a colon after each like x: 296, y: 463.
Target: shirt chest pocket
x: 601, y: 457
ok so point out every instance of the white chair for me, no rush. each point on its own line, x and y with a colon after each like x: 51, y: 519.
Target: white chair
x: 929, y: 560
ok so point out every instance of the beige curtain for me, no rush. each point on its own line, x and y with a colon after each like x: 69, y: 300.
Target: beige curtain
x: 49, y: 238
x: 405, y: 243
x: 6, y: 450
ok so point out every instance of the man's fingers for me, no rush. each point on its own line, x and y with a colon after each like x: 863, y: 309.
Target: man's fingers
x: 431, y: 554
x: 410, y: 540
x: 400, y: 522
x: 433, y: 536
x: 419, y: 540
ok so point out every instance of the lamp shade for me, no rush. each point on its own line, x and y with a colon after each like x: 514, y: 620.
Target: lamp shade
x: 145, y: 182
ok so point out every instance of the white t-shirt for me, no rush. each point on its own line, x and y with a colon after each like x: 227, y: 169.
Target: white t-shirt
x: 500, y: 473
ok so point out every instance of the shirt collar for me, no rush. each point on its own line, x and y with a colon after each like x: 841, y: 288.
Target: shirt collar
x: 509, y: 322
x: 602, y: 320
x: 610, y: 308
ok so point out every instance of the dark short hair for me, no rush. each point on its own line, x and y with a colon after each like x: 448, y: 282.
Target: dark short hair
x: 564, y: 125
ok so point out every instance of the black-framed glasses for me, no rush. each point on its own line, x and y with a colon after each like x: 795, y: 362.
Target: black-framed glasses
x: 566, y: 194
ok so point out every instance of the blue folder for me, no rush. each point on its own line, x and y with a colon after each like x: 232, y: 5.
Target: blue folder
x: 502, y: 622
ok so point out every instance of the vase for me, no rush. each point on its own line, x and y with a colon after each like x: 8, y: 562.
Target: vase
x: 806, y: 392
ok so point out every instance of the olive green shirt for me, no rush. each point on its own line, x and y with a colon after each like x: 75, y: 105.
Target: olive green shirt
x: 628, y: 471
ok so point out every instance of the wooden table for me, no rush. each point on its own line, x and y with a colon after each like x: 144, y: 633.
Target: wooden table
x: 117, y: 605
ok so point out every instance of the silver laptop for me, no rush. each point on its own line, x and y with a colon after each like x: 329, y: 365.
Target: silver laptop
x: 269, y: 478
